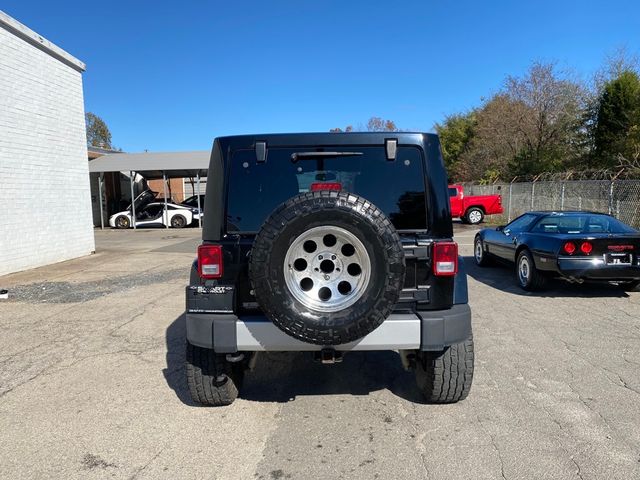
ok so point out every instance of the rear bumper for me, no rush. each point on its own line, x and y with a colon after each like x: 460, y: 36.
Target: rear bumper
x: 596, y: 269
x: 427, y: 330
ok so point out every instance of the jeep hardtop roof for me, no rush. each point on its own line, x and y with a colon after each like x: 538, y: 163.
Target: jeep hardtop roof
x: 326, y: 138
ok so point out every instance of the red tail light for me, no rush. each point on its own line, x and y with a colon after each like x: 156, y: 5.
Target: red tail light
x: 586, y: 248
x: 210, y: 264
x: 445, y: 258
x: 569, y: 248
x: 316, y: 187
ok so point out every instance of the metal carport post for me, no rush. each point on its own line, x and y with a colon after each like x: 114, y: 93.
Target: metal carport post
x: 198, y: 197
x: 133, y: 203
x: 164, y: 191
x: 100, y: 190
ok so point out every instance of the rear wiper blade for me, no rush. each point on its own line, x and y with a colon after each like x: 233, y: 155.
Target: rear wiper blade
x: 302, y: 155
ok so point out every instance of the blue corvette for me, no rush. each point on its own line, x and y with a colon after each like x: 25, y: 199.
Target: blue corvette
x: 578, y: 246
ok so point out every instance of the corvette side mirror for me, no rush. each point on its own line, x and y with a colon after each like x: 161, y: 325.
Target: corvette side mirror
x: 500, y: 228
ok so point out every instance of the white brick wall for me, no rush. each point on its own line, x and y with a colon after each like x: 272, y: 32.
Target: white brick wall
x: 45, y: 201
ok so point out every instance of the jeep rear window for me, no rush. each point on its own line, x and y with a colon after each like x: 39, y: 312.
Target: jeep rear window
x: 396, y: 187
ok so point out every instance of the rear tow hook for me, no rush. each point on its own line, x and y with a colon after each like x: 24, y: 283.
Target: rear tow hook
x: 327, y: 356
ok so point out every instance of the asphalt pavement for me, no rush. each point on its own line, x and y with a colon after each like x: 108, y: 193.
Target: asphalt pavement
x: 92, y: 385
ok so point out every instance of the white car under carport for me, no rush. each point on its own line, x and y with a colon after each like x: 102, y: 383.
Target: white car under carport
x: 152, y: 214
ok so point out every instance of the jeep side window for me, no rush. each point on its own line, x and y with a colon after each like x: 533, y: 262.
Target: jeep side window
x: 396, y: 187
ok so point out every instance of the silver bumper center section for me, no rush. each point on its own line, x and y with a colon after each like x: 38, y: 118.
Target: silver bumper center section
x: 424, y: 330
x: 400, y: 330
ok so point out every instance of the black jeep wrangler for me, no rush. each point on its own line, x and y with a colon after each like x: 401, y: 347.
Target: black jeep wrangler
x: 328, y: 243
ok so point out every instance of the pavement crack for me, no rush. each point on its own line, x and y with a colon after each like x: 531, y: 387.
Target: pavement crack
x: 492, y: 439
x: 626, y: 385
x: 419, y: 445
x: 153, y: 303
x: 495, y: 446
x: 579, y: 470
x: 30, y: 379
x: 53, y: 369
x: 144, y: 467
x: 620, y: 383
x: 31, y: 349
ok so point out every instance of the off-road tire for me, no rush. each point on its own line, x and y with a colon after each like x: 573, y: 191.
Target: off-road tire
x: 212, y: 380
x: 446, y: 376
x: 122, y: 222
x: 537, y: 280
x: 178, y: 221
x: 469, y: 213
x: 320, y: 209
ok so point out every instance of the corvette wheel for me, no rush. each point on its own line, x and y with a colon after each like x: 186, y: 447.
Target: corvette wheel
x: 480, y: 256
x: 529, y: 278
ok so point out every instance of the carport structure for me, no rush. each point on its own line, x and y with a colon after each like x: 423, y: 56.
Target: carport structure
x: 151, y: 166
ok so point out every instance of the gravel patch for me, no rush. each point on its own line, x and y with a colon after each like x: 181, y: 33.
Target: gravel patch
x: 79, y: 292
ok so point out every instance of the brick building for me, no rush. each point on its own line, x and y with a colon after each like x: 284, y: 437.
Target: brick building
x: 45, y: 202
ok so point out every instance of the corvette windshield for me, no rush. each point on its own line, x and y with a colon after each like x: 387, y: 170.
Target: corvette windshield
x: 581, y: 224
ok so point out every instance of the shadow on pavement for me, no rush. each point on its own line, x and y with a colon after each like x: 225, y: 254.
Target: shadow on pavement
x: 503, y: 277
x: 282, y: 376
x: 174, y: 373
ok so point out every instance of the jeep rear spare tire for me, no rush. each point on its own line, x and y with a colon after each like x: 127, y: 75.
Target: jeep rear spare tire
x: 327, y: 267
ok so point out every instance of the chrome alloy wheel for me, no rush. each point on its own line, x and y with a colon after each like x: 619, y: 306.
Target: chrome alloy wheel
x: 327, y: 268
x: 475, y: 217
x: 478, y: 251
x: 524, y: 270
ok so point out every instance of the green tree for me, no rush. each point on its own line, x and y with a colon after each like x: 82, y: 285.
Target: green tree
x: 456, y: 133
x: 98, y: 134
x: 617, y: 126
x: 535, y: 123
x: 549, y: 110
x: 497, y: 140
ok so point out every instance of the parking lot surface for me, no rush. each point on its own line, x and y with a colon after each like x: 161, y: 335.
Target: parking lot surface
x: 92, y: 384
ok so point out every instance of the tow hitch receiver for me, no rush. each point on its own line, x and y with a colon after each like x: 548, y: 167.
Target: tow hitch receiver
x: 327, y: 356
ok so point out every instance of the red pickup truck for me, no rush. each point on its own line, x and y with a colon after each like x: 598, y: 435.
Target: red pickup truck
x: 472, y: 209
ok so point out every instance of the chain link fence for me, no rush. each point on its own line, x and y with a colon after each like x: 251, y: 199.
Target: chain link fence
x: 620, y: 198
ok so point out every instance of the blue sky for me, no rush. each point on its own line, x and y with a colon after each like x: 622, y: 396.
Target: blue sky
x: 173, y: 75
